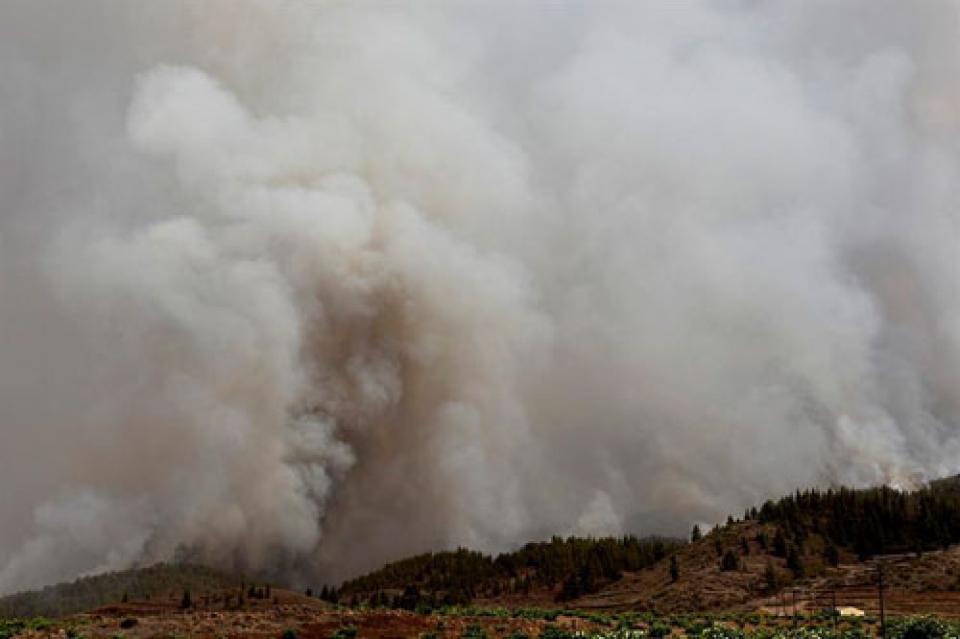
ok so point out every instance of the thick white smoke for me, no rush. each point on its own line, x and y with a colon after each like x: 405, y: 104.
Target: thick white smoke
x: 300, y: 287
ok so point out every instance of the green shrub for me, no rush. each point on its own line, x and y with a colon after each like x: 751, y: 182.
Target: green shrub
x: 921, y: 627
x: 730, y: 561
x: 716, y: 631
x: 11, y: 627
x: 474, y: 631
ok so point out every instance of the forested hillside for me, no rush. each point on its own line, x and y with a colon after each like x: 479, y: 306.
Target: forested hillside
x: 572, y: 566
x: 871, y: 521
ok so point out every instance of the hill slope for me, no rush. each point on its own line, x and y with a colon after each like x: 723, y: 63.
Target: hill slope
x: 818, y: 546
x: 808, y: 540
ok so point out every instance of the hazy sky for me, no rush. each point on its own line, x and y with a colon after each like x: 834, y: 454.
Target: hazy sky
x: 297, y: 288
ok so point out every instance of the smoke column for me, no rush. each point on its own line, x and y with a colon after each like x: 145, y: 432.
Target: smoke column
x: 296, y: 288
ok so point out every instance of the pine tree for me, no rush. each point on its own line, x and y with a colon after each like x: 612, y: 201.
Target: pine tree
x: 572, y: 588
x: 674, y: 569
x: 695, y: 534
x: 832, y: 555
x: 779, y: 544
x: 730, y: 561
x: 794, y: 563
x: 770, y: 577
x: 762, y: 540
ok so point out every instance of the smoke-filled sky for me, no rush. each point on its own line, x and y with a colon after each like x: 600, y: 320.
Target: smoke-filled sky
x: 296, y: 288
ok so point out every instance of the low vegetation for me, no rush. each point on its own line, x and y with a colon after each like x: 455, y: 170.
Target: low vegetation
x: 465, y: 623
x: 13, y: 627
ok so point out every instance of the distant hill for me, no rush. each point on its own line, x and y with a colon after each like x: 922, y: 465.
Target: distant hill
x: 159, y: 581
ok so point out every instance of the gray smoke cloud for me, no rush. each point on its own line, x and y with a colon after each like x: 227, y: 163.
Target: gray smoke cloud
x: 297, y: 288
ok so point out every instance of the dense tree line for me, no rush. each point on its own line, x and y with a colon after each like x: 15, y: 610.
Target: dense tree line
x: 866, y: 522
x: 573, y: 566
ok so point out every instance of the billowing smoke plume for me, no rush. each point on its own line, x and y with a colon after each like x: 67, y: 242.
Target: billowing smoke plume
x: 300, y: 287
